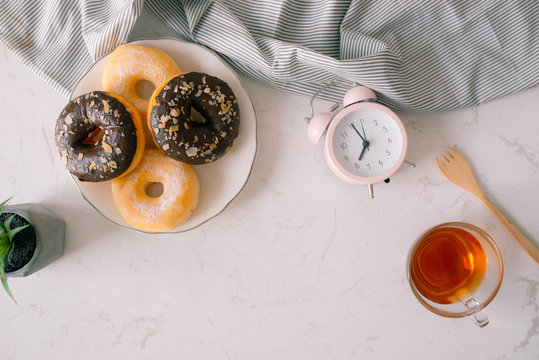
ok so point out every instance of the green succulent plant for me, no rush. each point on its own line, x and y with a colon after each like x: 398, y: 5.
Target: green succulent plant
x: 7, y: 234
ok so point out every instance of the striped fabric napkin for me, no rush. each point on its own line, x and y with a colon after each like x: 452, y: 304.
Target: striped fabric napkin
x: 417, y: 54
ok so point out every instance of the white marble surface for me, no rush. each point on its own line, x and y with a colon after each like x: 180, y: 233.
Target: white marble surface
x: 299, y: 266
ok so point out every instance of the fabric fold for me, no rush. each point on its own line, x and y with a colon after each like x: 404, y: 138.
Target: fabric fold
x: 422, y: 55
x: 60, y: 40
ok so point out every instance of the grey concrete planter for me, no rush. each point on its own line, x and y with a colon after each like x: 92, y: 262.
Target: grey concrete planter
x: 49, y: 232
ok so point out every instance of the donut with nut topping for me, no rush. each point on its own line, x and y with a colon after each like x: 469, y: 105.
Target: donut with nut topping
x: 99, y: 136
x: 180, y: 133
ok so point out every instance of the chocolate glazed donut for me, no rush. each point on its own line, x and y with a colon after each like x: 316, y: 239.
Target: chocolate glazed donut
x: 96, y: 137
x: 184, y: 138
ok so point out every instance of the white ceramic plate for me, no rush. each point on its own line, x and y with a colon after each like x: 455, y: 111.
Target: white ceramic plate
x: 221, y: 180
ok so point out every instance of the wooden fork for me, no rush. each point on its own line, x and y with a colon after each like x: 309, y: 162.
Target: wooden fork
x: 456, y: 169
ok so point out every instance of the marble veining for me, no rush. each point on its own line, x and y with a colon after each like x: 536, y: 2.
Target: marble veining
x: 524, y: 151
x: 531, y: 301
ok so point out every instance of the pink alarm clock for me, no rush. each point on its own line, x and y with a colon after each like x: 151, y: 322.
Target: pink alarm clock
x: 365, y: 142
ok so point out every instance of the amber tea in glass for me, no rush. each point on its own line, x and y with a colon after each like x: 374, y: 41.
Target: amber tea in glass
x: 455, y: 270
x: 446, y: 262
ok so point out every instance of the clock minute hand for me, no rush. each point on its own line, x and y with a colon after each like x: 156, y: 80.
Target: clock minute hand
x: 357, y: 131
x: 365, y: 141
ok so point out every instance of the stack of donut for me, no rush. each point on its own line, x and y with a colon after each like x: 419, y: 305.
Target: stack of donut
x: 103, y: 135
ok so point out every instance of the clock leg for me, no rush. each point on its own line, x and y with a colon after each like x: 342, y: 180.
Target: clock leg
x: 410, y: 164
x: 371, y: 191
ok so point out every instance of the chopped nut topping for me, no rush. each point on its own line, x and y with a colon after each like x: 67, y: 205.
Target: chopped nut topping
x: 225, y: 108
x: 81, y: 155
x: 106, y: 107
x: 165, y: 147
x: 107, y: 147
x: 192, y: 151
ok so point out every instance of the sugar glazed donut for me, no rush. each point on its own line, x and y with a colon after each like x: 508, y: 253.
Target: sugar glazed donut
x: 185, y: 138
x: 129, y: 64
x: 171, y: 208
x: 99, y: 136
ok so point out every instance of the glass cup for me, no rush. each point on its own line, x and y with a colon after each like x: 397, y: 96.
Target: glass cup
x: 455, y: 270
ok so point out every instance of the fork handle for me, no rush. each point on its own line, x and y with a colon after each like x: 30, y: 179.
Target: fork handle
x: 520, y: 238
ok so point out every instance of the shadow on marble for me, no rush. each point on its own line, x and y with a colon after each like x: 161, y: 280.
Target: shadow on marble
x: 82, y: 230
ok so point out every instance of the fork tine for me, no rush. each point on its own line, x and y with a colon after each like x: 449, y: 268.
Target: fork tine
x: 454, y: 153
x: 444, y: 158
x: 448, y: 155
x: 440, y: 163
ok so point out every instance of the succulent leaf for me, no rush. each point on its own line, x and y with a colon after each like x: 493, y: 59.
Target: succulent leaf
x: 3, y: 205
x: 12, y: 232
x: 6, y: 288
x: 3, y: 277
x: 7, y: 246
x: 9, y: 252
x: 7, y: 223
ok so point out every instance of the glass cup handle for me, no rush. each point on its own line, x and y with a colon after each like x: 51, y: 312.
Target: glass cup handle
x: 478, y: 317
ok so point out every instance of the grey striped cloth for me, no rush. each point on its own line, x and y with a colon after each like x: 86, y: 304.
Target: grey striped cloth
x: 416, y: 54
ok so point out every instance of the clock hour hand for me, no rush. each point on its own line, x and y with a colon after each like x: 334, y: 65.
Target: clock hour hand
x: 363, y: 151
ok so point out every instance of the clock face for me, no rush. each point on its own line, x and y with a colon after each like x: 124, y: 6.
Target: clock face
x: 367, y: 142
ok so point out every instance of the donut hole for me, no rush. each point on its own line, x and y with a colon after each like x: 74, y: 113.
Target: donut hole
x: 154, y: 189
x: 197, y: 117
x: 144, y: 89
x: 94, y: 136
